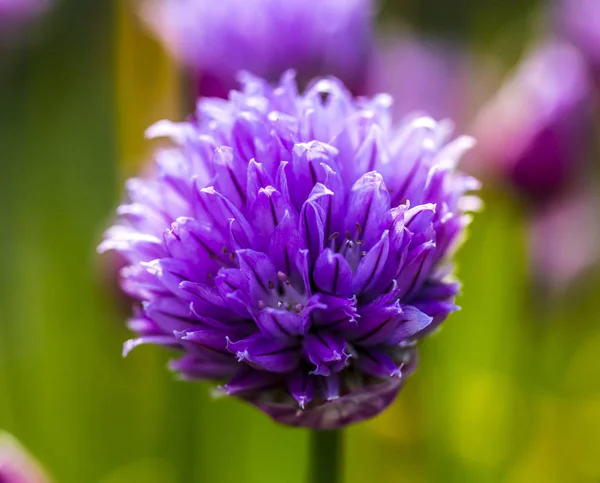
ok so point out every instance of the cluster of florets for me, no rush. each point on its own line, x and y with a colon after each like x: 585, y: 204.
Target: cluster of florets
x: 295, y: 246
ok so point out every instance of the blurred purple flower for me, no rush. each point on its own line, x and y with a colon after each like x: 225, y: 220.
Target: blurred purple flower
x: 16, y: 466
x: 534, y: 132
x: 296, y: 246
x: 15, y: 12
x: 565, y: 240
x: 422, y: 75
x: 579, y: 22
x: 216, y: 39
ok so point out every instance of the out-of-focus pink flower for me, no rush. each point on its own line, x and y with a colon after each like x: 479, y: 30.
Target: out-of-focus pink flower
x: 579, y: 22
x: 535, y: 135
x: 17, y: 11
x: 565, y: 239
x: 423, y: 76
x: 15, y: 15
x: 16, y: 465
x: 534, y: 132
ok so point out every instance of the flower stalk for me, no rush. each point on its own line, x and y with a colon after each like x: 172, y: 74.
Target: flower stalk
x: 326, y: 457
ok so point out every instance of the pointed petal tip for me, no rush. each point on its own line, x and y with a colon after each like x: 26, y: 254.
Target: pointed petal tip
x: 397, y: 373
x: 129, y: 345
x: 220, y: 392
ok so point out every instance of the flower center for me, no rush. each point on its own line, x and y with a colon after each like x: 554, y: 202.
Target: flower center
x: 283, y: 295
x: 351, y: 247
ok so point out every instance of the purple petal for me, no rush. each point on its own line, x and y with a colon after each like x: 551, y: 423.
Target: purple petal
x: 412, y: 321
x: 243, y: 135
x: 327, y: 352
x: 230, y: 180
x: 369, y: 202
x: 437, y: 291
x: 420, y: 218
x: 285, y: 244
x: 377, y: 363
x: 416, y: 269
x: 376, y: 324
x: 259, y: 272
x: 247, y: 379
x: 330, y: 387
x: 205, y: 300
x: 302, y: 387
x: 372, y: 265
x: 165, y: 340
x: 234, y: 288
x: 141, y: 284
x: 193, y: 367
x: 134, y: 246
x: 144, y: 326
x: 332, y: 313
x: 302, y: 265
x: 439, y: 310
x: 219, y: 209
x: 280, y: 324
x: 257, y: 178
x: 311, y: 222
x: 307, y: 171
x: 335, y: 204
x: 196, y: 244
x: 208, y: 337
x: 172, y: 273
x: 266, y: 354
x: 332, y: 274
x: 266, y: 213
x: 169, y: 313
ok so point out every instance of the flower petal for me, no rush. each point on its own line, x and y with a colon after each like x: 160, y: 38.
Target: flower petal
x: 266, y: 354
x: 285, y: 244
x: 169, y: 313
x: 193, y: 367
x: 230, y: 180
x: 332, y: 274
x: 280, y: 324
x: 372, y: 265
x: 411, y: 323
x: 376, y: 325
x: 302, y: 386
x: 369, y: 202
x: 247, y: 379
x: 377, y: 363
x: 259, y: 271
x: 327, y: 351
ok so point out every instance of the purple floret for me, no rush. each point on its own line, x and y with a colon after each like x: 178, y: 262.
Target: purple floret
x: 544, y: 109
x: 296, y: 246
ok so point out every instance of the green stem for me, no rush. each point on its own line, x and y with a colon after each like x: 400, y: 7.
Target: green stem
x: 326, y: 457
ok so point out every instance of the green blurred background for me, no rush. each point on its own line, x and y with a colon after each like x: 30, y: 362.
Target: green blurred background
x: 508, y: 391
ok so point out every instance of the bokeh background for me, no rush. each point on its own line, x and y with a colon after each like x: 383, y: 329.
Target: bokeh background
x: 507, y: 391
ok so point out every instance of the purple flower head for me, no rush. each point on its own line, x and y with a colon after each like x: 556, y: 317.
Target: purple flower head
x: 579, y: 22
x: 216, y: 39
x: 16, y: 466
x: 296, y: 246
x: 533, y: 131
